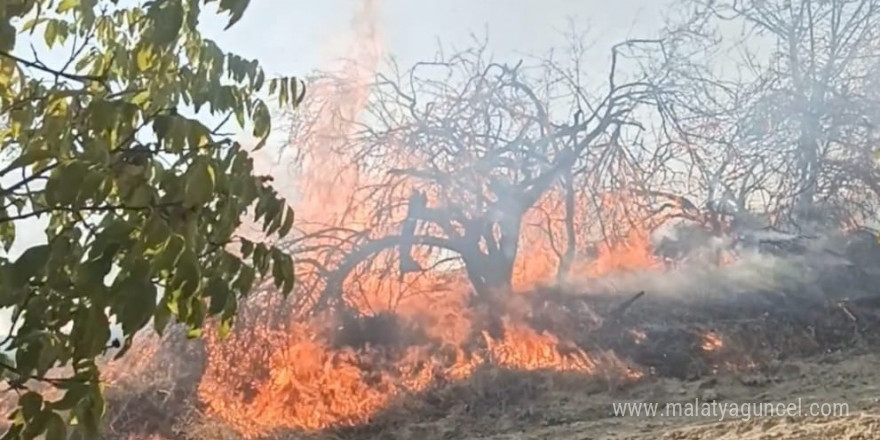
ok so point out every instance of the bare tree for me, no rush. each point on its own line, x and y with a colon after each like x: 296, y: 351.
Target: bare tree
x: 795, y: 123
x: 451, y: 156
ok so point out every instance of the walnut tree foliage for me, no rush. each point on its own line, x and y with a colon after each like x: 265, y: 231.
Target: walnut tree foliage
x: 142, y: 203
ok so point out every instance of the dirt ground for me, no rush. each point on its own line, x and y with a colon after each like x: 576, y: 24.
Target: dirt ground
x: 851, y: 378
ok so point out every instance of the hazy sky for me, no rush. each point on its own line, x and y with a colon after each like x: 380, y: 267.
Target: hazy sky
x: 292, y: 36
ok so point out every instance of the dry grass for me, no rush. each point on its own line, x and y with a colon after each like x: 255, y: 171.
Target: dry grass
x: 500, y: 403
x: 153, y: 389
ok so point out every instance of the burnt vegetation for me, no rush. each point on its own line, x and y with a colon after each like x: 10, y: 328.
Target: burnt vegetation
x: 466, y: 167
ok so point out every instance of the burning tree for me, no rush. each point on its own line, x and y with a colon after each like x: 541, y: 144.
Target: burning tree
x: 427, y: 196
x: 452, y: 157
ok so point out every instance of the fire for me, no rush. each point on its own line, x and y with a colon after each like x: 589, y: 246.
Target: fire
x: 712, y: 342
x: 525, y: 349
x: 638, y: 336
x: 280, y: 371
x: 309, y: 387
x: 633, y: 252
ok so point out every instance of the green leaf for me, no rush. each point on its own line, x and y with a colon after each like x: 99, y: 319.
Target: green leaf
x: 141, y: 98
x: 67, y: 5
x: 31, y: 404
x: 90, y: 332
x: 50, y: 353
x: 224, y: 328
x: 199, y: 185
x: 294, y: 92
x: 88, y: 413
x: 282, y: 271
x: 194, y: 333
x: 167, y: 21
x: 75, y: 393
x: 56, y: 428
x: 198, y: 312
x: 245, y: 280
x: 64, y: 183
x: 247, y: 248
x: 298, y: 99
x: 135, y: 299
x: 7, y: 231
x: 30, y: 263
x: 262, y: 120
x: 161, y: 317
x: 218, y: 290
x: 169, y: 254
x: 144, y: 59
x: 7, y: 37
x: 236, y: 10
x: 51, y: 33
x: 187, y: 276
x: 91, y: 187
x: 288, y: 223
x: 33, y: 152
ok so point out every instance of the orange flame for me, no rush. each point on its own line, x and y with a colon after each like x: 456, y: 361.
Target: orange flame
x: 712, y: 342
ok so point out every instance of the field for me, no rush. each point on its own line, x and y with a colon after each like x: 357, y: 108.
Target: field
x: 842, y: 377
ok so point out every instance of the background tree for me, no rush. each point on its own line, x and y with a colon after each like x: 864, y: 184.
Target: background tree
x: 779, y: 104
x: 142, y: 201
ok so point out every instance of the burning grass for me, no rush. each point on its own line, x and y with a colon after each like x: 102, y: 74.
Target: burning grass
x: 389, y: 373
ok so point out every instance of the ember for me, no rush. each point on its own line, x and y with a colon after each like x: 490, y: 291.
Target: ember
x: 712, y: 342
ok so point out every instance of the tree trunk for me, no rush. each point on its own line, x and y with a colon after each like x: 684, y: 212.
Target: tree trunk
x: 571, y: 243
x: 491, y: 271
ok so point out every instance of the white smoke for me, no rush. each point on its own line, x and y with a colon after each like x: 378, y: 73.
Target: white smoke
x: 752, y: 271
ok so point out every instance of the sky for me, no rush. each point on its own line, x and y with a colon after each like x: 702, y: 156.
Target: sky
x: 296, y: 37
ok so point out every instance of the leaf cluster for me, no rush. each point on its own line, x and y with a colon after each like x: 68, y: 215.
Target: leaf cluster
x: 141, y: 202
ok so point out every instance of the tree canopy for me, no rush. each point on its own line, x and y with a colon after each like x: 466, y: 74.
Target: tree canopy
x: 140, y: 202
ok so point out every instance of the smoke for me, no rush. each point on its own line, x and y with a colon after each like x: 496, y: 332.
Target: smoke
x: 752, y: 272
